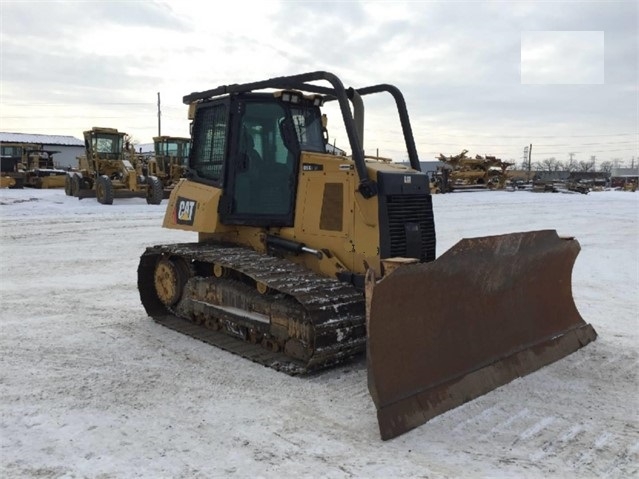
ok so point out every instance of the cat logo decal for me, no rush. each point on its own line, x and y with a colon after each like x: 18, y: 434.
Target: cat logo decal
x: 185, y: 211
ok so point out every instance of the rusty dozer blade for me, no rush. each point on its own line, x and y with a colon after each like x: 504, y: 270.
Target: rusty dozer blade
x: 487, y: 311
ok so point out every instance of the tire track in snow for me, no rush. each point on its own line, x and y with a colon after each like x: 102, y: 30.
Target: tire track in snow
x: 519, y: 416
x: 550, y: 447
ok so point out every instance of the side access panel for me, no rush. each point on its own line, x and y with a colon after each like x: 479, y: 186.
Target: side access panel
x: 487, y: 311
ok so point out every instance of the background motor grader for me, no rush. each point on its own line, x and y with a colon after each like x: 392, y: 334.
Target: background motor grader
x: 305, y: 258
x: 110, y: 169
x: 169, y: 163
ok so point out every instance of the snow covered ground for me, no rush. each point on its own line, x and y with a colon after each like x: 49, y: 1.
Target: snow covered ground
x: 91, y: 387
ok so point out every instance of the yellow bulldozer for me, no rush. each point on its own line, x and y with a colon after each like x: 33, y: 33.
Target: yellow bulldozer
x: 306, y: 258
x: 111, y: 169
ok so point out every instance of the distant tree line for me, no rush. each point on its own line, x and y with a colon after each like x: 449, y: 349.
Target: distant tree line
x: 552, y: 164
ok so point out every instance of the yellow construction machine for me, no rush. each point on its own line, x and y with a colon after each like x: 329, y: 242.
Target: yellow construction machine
x: 306, y: 258
x: 467, y: 173
x: 170, y: 159
x: 110, y: 169
x: 28, y: 164
x: 13, y: 162
x: 7, y: 181
x: 41, y: 171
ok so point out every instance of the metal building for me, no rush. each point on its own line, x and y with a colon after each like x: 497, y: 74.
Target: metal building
x: 68, y: 147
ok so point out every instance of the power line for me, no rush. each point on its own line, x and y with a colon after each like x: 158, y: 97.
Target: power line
x: 526, y: 137
x: 540, y: 136
x: 59, y: 117
x: 44, y: 117
x: 437, y: 143
x: 554, y: 152
x: 74, y: 105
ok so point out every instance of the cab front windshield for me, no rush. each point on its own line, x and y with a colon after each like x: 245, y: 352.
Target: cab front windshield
x: 107, y: 144
x: 178, y: 149
x: 308, y: 127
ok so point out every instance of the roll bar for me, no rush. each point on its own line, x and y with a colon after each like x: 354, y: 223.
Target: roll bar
x: 353, y: 126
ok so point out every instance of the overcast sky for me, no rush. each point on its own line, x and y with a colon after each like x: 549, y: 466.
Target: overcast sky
x: 489, y: 77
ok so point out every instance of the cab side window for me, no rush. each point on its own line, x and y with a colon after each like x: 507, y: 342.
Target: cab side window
x: 209, y: 134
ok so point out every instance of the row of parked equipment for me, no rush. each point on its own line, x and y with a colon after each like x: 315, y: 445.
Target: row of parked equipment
x: 110, y: 168
x: 28, y: 164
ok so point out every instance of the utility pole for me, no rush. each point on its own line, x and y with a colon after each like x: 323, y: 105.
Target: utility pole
x: 529, y: 158
x: 527, y: 153
x: 159, y: 117
x: 571, y: 161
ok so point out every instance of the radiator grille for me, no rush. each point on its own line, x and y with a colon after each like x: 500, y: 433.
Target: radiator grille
x: 403, y: 209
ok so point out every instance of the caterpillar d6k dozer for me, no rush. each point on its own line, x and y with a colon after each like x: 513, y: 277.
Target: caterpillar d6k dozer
x: 306, y: 258
x: 110, y: 169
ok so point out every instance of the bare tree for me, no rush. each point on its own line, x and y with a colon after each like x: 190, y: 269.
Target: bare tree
x: 606, y: 166
x: 549, y: 164
x: 571, y: 164
x: 617, y: 163
x: 587, y: 165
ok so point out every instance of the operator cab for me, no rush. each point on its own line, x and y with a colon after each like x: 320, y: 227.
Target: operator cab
x: 248, y: 144
x: 104, y: 143
x: 168, y: 149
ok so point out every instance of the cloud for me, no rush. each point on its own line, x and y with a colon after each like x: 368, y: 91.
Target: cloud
x: 50, y: 19
x: 562, y: 57
x: 458, y: 64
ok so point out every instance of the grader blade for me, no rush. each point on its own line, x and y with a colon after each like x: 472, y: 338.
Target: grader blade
x: 487, y: 311
x: 85, y: 193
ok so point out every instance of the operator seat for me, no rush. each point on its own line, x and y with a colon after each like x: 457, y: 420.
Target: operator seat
x: 255, y: 160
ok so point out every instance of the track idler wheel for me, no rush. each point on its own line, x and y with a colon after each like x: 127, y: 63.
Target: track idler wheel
x: 169, y: 278
x: 262, y: 288
x: 220, y: 271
